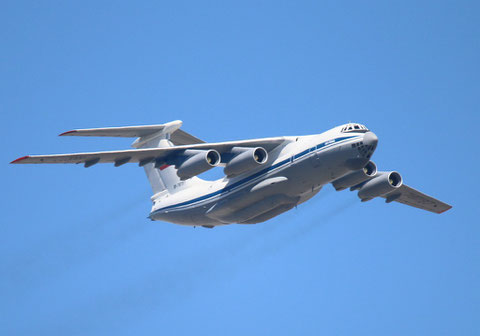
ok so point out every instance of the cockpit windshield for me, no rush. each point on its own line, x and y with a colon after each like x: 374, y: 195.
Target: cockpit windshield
x: 354, y: 128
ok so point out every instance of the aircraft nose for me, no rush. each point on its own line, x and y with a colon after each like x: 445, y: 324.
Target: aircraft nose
x: 370, y: 139
x: 364, y: 151
x: 367, y: 145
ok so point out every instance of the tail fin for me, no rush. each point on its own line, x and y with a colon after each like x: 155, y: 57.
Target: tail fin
x: 151, y: 136
x: 164, y: 177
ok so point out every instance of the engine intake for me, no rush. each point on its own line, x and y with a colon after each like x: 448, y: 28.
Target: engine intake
x: 355, y: 177
x: 245, y: 159
x: 194, y: 162
x: 382, y: 184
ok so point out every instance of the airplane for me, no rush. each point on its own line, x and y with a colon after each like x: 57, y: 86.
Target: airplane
x: 263, y: 177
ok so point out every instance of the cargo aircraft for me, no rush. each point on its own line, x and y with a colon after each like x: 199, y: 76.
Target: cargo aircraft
x: 263, y: 177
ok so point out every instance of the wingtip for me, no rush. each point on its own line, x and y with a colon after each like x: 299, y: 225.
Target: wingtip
x: 66, y: 133
x: 446, y: 209
x: 20, y: 159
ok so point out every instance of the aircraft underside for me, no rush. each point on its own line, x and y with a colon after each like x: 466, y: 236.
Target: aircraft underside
x: 263, y: 177
x: 297, y: 182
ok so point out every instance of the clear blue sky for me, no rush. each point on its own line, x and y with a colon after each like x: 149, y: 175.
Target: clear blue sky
x: 79, y: 257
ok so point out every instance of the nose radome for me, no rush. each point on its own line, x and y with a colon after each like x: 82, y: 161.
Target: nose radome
x: 364, y: 151
x: 370, y: 139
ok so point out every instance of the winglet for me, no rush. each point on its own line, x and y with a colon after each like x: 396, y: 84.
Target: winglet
x: 20, y: 159
x: 67, y: 133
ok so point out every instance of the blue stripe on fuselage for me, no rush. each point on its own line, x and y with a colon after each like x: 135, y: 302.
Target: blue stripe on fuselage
x: 252, y: 177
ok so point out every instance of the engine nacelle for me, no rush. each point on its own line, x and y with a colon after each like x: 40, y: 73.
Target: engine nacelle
x: 380, y: 185
x: 195, y: 162
x: 356, y: 177
x: 245, y: 159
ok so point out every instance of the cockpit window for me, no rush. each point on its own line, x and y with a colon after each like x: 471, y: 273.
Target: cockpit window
x: 359, y: 128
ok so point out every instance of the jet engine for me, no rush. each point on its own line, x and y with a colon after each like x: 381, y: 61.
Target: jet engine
x: 195, y: 162
x: 245, y: 159
x: 355, y: 177
x: 382, y: 184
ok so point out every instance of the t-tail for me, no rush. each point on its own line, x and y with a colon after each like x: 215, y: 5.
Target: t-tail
x: 162, y: 176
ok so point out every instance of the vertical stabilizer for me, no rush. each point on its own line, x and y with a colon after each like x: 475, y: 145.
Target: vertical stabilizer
x: 164, y: 177
x: 151, y: 136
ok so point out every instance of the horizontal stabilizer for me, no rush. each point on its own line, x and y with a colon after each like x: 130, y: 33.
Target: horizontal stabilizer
x: 126, y: 131
x: 177, y: 136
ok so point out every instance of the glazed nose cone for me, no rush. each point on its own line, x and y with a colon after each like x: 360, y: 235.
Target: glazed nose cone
x: 364, y: 151
x: 370, y: 139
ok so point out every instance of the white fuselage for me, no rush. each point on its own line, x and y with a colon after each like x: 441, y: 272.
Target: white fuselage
x: 295, y: 171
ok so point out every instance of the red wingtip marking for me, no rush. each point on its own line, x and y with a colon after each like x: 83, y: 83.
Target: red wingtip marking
x: 20, y: 159
x: 164, y: 166
x: 445, y: 210
x: 67, y: 132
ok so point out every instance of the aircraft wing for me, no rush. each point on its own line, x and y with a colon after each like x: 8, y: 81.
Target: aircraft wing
x: 146, y: 155
x: 417, y: 199
x: 371, y: 183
